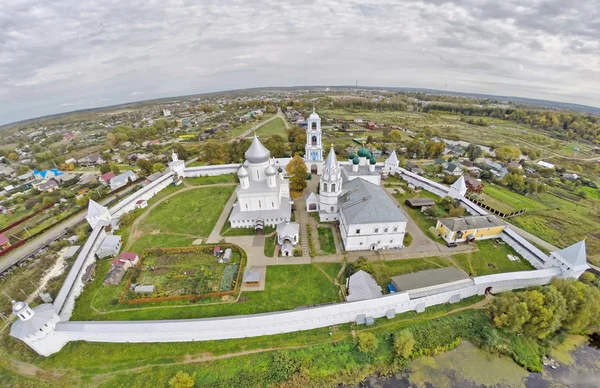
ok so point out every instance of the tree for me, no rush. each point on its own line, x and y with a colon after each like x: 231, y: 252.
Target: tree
x: 104, y: 168
x: 297, y: 171
x: 115, y: 168
x: 276, y: 145
x: 456, y: 211
x: 158, y: 167
x: 13, y: 156
x: 396, y: 136
x: 508, y: 153
x: 145, y: 165
x: 404, y: 343
x: 582, y: 304
x: 47, y: 201
x: 214, y: 153
x: 369, y: 139
x: 182, y: 380
x: 415, y: 148
x: 367, y: 342
x: 514, y: 181
x: 473, y: 151
x: 434, y: 149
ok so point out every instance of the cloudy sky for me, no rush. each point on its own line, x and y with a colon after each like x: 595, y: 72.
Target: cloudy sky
x: 63, y: 55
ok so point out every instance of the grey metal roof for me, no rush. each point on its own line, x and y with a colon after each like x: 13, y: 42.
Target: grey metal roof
x: 110, y: 241
x: 331, y: 162
x: 574, y: 254
x: 42, y: 315
x: 415, y: 202
x: 362, y: 286
x: 460, y: 184
x: 366, y: 203
x: 471, y: 222
x: 251, y: 275
x: 144, y: 288
x: 257, y: 153
x: 71, y: 251
x: 428, y: 278
x: 288, y: 229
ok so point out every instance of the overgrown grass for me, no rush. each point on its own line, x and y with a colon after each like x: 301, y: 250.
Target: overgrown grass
x: 326, y: 240
x: 383, y: 270
x: 210, y: 180
x: 273, y: 127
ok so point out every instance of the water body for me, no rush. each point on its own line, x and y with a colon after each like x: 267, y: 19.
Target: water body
x: 469, y: 367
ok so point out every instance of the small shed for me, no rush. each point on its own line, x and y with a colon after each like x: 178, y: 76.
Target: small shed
x: 419, y: 203
x: 71, y: 251
x: 251, y: 278
x: 142, y: 203
x: 226, y: 256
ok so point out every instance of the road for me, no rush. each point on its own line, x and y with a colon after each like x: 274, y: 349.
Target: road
x: 50, y: 235
x: 254, y: 128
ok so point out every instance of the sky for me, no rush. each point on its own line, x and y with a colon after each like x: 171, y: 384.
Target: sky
x: 63, y: 55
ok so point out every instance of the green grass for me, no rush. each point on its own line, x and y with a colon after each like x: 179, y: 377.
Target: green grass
x: 384, y: 270
x: 273, y: 127
x: 286, y: 288
x: 423, y: 222
x: 491, y: 259
x: 197, y: 163
x: 326, y: 240
x: 502, y: 196
x: 408, y: 238
x: 270, y: 245
x: 192, y: 212
x: 210, y: 180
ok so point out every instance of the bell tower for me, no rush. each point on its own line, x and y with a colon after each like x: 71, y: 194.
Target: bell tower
x: 314, y: 147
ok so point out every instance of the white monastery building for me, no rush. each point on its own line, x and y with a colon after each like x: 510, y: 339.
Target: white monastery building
x: 263, y: 195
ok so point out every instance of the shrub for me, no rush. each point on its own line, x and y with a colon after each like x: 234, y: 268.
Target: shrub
x: 283, y: 367
x: 182, y: 380
x: 367, y: 342
x: 404, y: 343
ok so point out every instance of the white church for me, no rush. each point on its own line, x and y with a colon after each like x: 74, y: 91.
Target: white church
x: 351, y: 194
x: 263, y: 195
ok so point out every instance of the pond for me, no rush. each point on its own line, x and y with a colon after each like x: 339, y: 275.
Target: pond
x: 467, y: 366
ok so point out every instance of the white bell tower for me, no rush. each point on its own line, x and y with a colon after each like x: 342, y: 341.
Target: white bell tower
x: 314, y: 147
x: 330, y: 188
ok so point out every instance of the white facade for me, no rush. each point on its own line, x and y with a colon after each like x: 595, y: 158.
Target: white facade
x: 263, y: 195
x: 313, y: 150
x: 330, y: 188
x: 391, y: 163
x: 372, y: 236
x: 458, y: 188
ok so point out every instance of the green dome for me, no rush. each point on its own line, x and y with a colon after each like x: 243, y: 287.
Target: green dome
x: 373, y: 160
x: 364, y: 153
x: 356, y: 160
x: 351, y: 155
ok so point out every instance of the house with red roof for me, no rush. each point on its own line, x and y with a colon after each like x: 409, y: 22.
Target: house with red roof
x: 106, y: 178
x: 142, y: 203
x: 4, y: 243
x: 125, y: 260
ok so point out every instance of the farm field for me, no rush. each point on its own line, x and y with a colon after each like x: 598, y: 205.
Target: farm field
x: 192, y: 213
x: 273, y: 127
x: 187, y: 273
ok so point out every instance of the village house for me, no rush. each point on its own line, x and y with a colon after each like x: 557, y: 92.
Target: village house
x: 473, y: 185
x: 470, y: 228
x: 48, y: 186
x: 4, y: 242
x: 122, y: 180
x: 106, y: 178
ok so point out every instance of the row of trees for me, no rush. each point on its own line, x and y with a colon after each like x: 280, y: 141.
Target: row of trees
x: 567, y: 305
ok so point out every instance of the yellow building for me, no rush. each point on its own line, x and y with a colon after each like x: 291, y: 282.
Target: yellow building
x: 458, y: 229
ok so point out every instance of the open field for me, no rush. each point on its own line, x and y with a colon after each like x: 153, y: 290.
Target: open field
x: 287, y: 287
x: 273, y: 127
x: 491, y: 259
x: 502, y: 198
x: 192, y: 213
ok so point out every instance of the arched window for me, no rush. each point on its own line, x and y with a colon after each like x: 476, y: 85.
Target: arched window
x: 333, y: 187
x: 314, y: 140
x: 324, y: 187
x: 313, y: 125
x: 376, y: 230
x: 259, y: 204
x: 395, y: 229
x: 385, y: 230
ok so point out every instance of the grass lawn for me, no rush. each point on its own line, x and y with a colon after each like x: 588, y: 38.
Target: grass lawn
x: 191, y: 213
x: 270, y: 245
x: 503, y: 199
x: 287, y: 287
x: 273, y: 127
x: 423, y: 222
x: 491, y: 259
x: 196, y: 163
x: 210, y: 180
x: 326, y: 240
x: 383, y: 270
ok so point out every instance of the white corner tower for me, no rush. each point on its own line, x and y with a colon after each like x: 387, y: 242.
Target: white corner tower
x: 313, y: 152
x: 330, y: 185
x: 177, y: 166
x: 36, y: 327
x: 458, y: 188
x: 571, y: 260
x: 97, y: 213
x: 391, y: 164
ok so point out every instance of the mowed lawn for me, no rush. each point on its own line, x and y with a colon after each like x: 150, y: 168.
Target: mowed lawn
x: 273, y: 127
x: 287, y: 287
x: 491, y: 258
x: 193, y: 212
x: 384, y: 270
x: 210, y: 180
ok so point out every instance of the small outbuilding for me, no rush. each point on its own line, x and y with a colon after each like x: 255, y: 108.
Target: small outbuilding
x: 362, y: 286
x: 71, y: 251
x: 287, y: 236
x: 142, y: 203
x: 419, y: 203
x: 111, y: 245
x: 226, y: 256
x: 251, y: 277
x: 144, y: 289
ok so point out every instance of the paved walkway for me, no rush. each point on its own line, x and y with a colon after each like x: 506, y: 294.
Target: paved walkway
x: 215, y: 235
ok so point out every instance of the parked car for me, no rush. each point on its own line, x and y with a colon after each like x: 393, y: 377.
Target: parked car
x: 451, y: 245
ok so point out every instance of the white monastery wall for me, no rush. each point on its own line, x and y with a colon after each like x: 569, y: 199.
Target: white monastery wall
x: 218, y: 169
x: 146, y: 192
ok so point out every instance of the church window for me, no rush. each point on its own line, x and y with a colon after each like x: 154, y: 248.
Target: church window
x: 246, y: 206
x: 391, y: 241
x: 333, y: 187
x: 314, y: 140
x: 257, y: 175
x: 395, y: 229
x: 376, y: 230
x: 357, y: 231
x: 324, y: 187
x: 332, y: 208
x: 273, y: 205
x: 259, y: 204
x: 385, y: 230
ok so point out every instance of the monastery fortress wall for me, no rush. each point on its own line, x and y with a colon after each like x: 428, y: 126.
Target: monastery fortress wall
x: 56, y: 335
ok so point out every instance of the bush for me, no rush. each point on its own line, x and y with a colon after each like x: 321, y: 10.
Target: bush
x: 404, y: 343
x: 283, y: 367
x: 182, y: 380
x: 367, y: 342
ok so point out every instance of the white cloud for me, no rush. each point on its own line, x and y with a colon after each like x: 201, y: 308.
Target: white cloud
x: 65, y: 50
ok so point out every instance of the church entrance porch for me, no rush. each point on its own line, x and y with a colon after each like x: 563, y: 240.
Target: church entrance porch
x: 313, y: 169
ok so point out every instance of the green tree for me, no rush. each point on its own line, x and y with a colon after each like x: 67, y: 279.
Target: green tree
x: 367, y: 342
x: 404, y: 343
x: 145, y: 166
x: 13, y: 156
x: 508, y: 153
x: 456, y: 211
x: 276, y: 145
x: 214, y: 153
x: 158, y: 167
x: 104, y: 168
x: 415, y: 148
x: 182, y: 380
x: 514, y: 181
x: 47, y: 201
x: 582, y: 303
x: 297, y: 171
x: 473, y: 151
x: 396, y: 136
